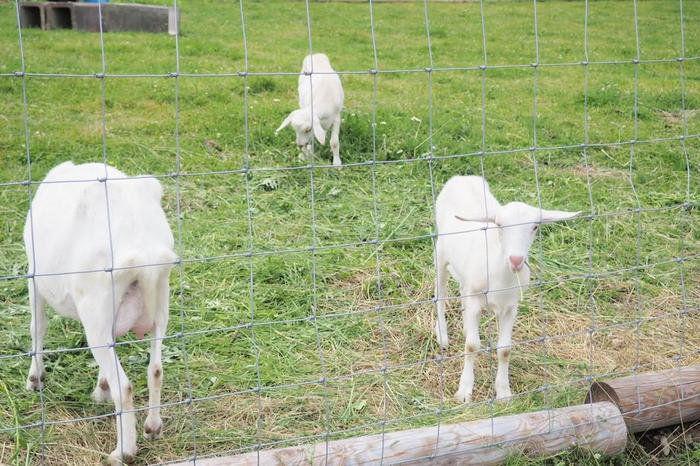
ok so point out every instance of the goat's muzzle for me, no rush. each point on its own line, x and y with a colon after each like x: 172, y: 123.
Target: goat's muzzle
x: 516, y: 263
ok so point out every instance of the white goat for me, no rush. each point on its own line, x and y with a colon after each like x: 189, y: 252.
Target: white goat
x: 484, y: 246
x: 68, y: 231
x: 320, y: 101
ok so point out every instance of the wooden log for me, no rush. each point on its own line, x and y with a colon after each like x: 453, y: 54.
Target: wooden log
x: 597, y: 426
x: 653, y: 399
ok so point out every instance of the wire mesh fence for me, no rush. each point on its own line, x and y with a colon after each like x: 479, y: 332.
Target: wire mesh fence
x: 302, y: 301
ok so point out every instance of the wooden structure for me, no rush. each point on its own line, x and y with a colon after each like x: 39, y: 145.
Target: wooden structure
x: 653, y: 399
x: 597, y: 426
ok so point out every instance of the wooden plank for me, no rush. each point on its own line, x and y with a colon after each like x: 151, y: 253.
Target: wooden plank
x: 597, y: 426
x: 653, y: 399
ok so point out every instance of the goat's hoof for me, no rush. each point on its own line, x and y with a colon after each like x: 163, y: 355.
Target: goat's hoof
x: 101, y: 396
x: 503, y: 395
x: 337, y: 163
x: 463, y: 396
x: 35, y: 382
x: 441, y: 337
x: 152, y: 429
x: 117, y: 459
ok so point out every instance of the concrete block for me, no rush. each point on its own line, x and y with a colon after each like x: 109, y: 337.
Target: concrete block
x: 58, y: 15
x: 86, y: 17
x: 173, y: 21
x: 32, y: 15
x: 125, y: 17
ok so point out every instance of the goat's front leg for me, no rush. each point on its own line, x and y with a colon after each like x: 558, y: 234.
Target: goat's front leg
x: 96, y: 316
x: 37, y: 328
x: 506, y: 320
x: 471, y: 311
x: 335, y: 142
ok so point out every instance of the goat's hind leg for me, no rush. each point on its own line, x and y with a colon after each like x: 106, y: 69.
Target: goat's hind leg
x: 440, y: 297
x: 37, y: 329
x: 101, y: 392
x: 96, y: 314
x: 153, y: 426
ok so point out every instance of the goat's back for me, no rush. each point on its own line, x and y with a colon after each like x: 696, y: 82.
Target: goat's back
x: 466, y: 196
x: 72, y: 226
x: 323, y: 85
x: 318, y: 62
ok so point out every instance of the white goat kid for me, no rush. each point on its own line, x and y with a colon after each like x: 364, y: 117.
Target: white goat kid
x: 476, y: 235
x: 68, y: 231
x: 320, y: 101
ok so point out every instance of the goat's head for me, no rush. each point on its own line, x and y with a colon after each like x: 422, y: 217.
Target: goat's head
x: 517, y: 224
x: 305, y: 126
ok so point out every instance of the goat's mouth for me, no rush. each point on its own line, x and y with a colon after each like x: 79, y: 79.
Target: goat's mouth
x: 517, y: 269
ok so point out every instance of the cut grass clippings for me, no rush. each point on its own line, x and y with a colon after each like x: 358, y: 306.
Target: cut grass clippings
x: 612, y: 296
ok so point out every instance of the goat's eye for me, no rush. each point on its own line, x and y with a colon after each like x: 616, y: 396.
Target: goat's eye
x: 534, y: 229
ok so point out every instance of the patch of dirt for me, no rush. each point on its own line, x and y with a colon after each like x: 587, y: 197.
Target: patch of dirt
x: 597, y: 172
x: 666, y: 443
x: 676, y: 118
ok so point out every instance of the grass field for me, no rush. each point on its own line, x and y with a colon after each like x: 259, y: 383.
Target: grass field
x: 628, y: 304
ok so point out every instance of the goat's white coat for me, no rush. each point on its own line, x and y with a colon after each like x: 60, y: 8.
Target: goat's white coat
x: 68, y: 230
x: 475, y: 235
x: 320, y: 103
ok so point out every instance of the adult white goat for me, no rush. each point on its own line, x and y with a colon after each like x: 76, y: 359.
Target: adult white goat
x: 320, y: 101
x: 484, y: 246
x: 95, y: 264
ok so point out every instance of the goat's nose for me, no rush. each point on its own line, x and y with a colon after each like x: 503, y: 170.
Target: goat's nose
x: 516, y: 261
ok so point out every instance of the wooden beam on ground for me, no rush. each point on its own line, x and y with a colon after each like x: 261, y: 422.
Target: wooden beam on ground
x: 653, y: 399
x: 597, y: 426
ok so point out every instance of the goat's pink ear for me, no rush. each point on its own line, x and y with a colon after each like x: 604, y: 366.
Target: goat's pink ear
x: 284, y: 124
x: 481, y: 219
x: 550, y: 216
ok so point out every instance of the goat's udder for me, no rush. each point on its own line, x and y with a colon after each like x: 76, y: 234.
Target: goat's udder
x: 140, y: 330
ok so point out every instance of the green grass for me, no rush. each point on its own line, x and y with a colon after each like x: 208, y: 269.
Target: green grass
x: 64, y: 116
